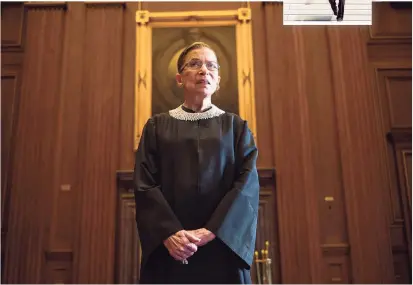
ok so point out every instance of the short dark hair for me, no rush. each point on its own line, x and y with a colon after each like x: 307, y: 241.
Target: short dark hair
x: 193, y: 46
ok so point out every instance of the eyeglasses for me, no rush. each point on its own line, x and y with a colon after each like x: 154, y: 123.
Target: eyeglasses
x: 195, y: 64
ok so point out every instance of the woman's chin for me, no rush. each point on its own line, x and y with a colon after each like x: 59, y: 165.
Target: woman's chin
x: 205, y: 92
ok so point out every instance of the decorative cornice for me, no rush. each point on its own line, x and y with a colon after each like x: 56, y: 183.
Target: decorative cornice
x: 105, y: 5
x: 46, y: 5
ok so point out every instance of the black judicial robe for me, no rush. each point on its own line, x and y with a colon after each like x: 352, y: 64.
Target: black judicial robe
x: 191, y: 174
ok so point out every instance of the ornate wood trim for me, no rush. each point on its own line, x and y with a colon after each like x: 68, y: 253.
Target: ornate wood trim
x: 46, y: 5
x: 91, y: 4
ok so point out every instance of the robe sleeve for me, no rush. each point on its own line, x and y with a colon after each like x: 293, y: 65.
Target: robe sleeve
x: 234, y: 221
x: 154, y: 217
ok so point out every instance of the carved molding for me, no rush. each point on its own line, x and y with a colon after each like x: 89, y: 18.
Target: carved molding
x: 96, y: 5
x: 46, y: 5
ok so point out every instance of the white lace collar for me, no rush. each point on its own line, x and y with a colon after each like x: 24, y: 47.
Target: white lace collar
x: 180, y: 114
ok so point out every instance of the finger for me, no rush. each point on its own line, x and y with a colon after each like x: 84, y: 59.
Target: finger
x: 189, y: 255
x: 201, y: 243
x: 191, y: 237
x: 191, y: 247
x: 183, y: 250
x: 178, y: 255
x: 177, y: 258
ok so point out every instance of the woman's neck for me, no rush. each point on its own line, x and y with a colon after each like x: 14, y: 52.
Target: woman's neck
x: 197, y: 104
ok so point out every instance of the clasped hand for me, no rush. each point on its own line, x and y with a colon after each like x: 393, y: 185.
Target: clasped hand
x: 184, y: 244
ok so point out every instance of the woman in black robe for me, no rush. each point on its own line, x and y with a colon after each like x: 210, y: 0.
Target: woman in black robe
x: 196, y: 185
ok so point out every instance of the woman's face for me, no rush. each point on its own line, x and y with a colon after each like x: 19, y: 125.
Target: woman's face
x: 199, y: 75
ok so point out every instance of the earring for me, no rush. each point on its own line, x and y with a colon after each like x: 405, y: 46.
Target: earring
x: 180, y: 85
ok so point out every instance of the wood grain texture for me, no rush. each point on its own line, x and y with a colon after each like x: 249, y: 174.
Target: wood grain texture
x: 10, y: 89
x: 265, y: 127
x: 331, y: 103
x: 33, y: 166
x: 399, y: 28
x: 285, y: 98
x: 98, y: 138
x: 126, y: 123
x: 362, y: 146
x: 12, y: 28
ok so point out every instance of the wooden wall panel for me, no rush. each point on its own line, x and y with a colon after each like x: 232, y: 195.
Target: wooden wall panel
x: 262, y: 76
x: 394, y: 106
x: 12, y: 15
x: 10, y: 90
x: 399, y: 193
x: 326, y: 99
x: 128, y: 252
x: 286, y: 123
x: 99, y: 137
x: 12, y: 20
x: 63, y: 230
x: 391, y: 23
x: 362, y: 146
x: 395, y: 91
x: 303, y: 117
x: 126, y: 141
x: 33, y: 169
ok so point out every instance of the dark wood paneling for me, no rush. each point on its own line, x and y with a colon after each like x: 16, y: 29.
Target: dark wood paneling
x: 320, y: 122
x: 337, y: 263
x: 304, y: 122
x: 126, y: 152
x: 12, y: 23
x: 46, y: 5
x: 58, y: 268
x: 128, y: 251
x: 10, y: 87
x: 263, y: 107
x: 390, y: 23
x: 400, y: 172
x: 33, y: 166
x: 63, y: 229
x: 10, y: 95
x: 361, y: 147
x: 395, y: 91
x: 293, y: 228
x: 394, y: 106
x: 389, y: 39
x: 98, y: 139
